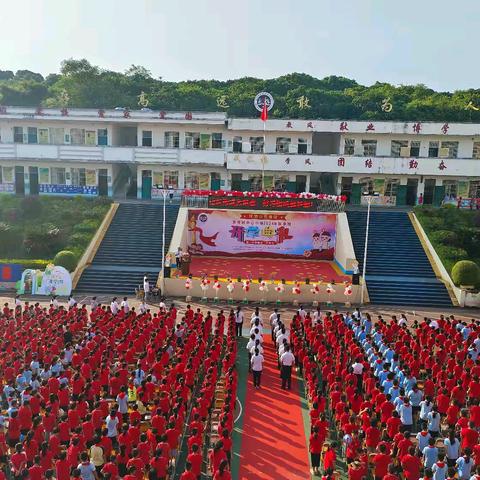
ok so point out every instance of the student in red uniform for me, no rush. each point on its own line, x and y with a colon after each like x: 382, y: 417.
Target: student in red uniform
x: 329, y: 459
x: 315, y: 447
x: 188, y: 473
x: 381, y: 461
x: 222, y: 473
x: 195, y: 458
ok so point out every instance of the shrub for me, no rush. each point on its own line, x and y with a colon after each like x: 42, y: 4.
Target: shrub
x: 444, y: 237
x: 66, y: 259
x: 452, y: 253
x: 31, y: 207
x: 10, y: 239
x: 466, y: 273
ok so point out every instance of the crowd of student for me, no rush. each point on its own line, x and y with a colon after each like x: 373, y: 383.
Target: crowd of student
x: 401, y: 401
x: 89, y: 393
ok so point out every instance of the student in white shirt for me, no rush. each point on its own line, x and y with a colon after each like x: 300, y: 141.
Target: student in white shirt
x: 71, y: 301
x: 257, y: 325
x: 287, y: 361
x: 146, y: 287
x: 250, y: 346
x: 256, y: 314
x: 317, y: 316
x: 274, y: 317
x: 257, y: 367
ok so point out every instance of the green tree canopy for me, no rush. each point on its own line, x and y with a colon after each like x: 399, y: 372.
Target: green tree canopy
x: 81, y: 84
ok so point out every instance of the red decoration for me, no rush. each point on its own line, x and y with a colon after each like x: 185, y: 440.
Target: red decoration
x: 442, y: 165
x: 264, y: 114
x: 126, y: 113
x: 341, y: 162
x: 235, y: 193
x: 368, y: 163
x: 413, y: 164
x: 39, y: 111
x: 64, y: 112
x: 310, y: 125
x: 289, y: 125
x: 101, y: 113
x: 162, y: 115
x: 445, y: 128
x: 417, y: 127
x: 188, y: 116
x: 370, y: 127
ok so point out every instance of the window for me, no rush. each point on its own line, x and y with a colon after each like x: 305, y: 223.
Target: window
x: 283, y: 144
x: 433, y: 150
x: 192, y: 140
x: 349, y: 147
x: 8, y: 175
x: 452, y: 148
x: 474, y: 190
x: 90, y: 137
x: 236, y: 181
x: 217, y: 140
x: 102, y: 136
x: 32, y: 135
x: 415, y: 148
x: 281, y: 183
x: 396, y: 147
x: 58, y: 175
x: 146, y: 138
x: 77, y: 136
x: 78, y: 176
x: 391, y: 187
x: 195, y: 180
x: 43, y: 135
x: 171, y: 179
x: 450, y: 188
x: 237, y: 144
x: 366, y: 185
x: 172, y: 139
x: 476, y: 150
x: 256, y: 144
x: 18, y: 134
x: 369, y: 148
x: 255, y: 182
x: 57, y: 136
x: 302, y: 146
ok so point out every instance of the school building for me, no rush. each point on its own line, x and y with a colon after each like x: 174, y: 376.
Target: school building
x: 126, y: 153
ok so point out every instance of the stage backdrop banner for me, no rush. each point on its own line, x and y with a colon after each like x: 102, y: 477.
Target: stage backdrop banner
x: 251, y: 234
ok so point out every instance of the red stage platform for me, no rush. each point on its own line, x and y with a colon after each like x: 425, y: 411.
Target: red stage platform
x: 267, y: 268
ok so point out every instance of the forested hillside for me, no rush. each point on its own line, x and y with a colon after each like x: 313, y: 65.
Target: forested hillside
x: 297, y: 95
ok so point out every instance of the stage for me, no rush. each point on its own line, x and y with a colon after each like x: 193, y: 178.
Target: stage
x: 267, y: 269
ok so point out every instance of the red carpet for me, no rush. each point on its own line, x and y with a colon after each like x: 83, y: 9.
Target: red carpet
x: 273, y: 439
x: 266, y: 268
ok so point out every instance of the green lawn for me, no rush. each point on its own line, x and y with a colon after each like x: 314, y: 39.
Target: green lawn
x: 455, y: 233
x: 37, y: 228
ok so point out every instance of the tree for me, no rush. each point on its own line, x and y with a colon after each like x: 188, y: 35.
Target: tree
x: 28, y: 75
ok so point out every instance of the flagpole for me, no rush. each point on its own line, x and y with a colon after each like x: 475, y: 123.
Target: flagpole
x: 264, y: 153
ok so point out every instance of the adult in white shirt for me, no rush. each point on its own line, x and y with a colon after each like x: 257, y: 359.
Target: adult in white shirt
x: 124, y: 305
x: 146, y: 287
x: 256, y: 314
x: 18, y: 302
x: 257, y: 367
x: 317, y: 316
x: 143, y: 307
x: 302, y: 313
x: 286, y: 362
x: 357, y: 368
x: 239, y: 317
x: 71, y: 301
x: 114, y: 306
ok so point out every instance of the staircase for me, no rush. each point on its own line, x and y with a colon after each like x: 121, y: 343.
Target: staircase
x: 398, y: 270
x: 131, y: 247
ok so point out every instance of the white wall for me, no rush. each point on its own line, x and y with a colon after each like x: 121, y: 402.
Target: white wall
x: 344, y: 252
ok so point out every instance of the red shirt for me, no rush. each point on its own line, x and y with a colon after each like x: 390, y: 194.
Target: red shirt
x: 196, y: 460
x: 381, y: 461
x: 411, y: 465
x: 62, y: 468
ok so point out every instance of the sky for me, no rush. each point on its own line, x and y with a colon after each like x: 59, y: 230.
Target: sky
x: 433, y: 42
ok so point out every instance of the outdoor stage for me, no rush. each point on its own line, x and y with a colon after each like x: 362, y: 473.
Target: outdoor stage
x: 267, y: 269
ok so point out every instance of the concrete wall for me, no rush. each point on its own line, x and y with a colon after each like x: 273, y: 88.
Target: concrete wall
x: 344, y: 252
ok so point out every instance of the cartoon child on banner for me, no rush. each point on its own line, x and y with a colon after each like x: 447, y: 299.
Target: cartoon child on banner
x: 323, y: 247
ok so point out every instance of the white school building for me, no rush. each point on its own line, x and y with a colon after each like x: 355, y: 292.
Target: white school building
x: 135, y: 153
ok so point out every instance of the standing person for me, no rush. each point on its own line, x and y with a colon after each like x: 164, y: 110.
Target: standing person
x: 257, y: 367
x: 273, y: 322
x: 171, y: 191
x: 239, y: 321
x: 286, y: 362
x: 250, y: 348
x: 357, y: 368
x: 124, y: 305
x: 178, y: 257
x: 114, y: 306
x: 146, y: 287
x: 315, y: 447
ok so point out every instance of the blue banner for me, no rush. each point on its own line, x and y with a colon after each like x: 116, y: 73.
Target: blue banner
x: 67, y: 189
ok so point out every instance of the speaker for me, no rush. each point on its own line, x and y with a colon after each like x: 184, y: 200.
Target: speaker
x: 167, y: 272
x: 356, y: 279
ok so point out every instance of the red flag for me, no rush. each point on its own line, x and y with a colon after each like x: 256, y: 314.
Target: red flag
x: 264, y: 115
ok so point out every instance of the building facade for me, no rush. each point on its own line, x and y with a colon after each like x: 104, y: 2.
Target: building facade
x: 136, y: 153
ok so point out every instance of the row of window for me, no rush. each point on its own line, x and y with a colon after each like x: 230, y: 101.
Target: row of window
x: 60, y: 136
x: 406, y: 148
x: 55, y: 176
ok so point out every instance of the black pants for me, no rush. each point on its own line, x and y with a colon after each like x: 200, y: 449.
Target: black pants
x: 286, y: 376
x: 249, y: 362
x: 257, y: 377
x: 238, y: 328
x: 359, y: 382
x: 315, y: 459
